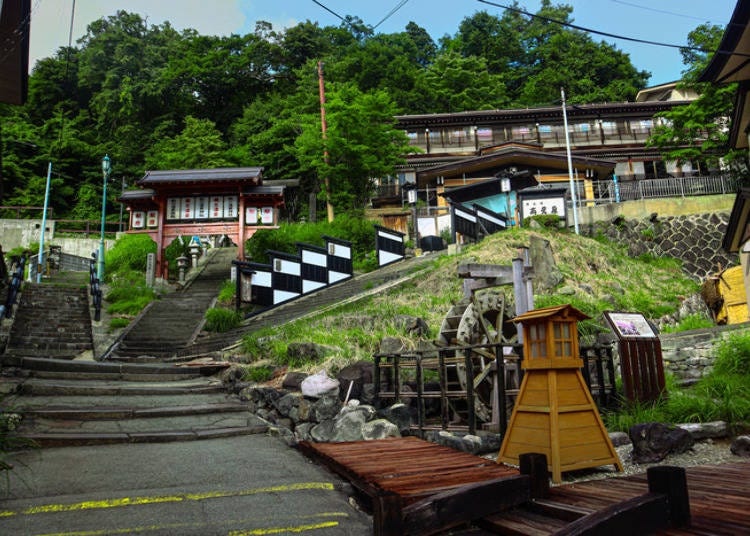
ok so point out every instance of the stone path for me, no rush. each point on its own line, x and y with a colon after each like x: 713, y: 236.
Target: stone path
x: 85, y: 402
x: 171, y: 322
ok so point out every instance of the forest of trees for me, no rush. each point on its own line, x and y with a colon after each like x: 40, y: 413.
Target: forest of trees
x: 155, y: 98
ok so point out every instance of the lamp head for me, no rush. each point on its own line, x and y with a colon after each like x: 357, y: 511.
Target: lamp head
x: 106, y: 165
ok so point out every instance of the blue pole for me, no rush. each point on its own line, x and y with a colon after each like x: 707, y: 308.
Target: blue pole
x: 40, y: 257
x: 100, y: 260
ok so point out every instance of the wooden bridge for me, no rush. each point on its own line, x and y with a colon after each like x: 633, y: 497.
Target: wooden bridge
x: 415, y: 487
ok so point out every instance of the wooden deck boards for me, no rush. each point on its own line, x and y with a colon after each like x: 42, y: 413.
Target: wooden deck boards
x: 414, y: 469
x: 407, y: 466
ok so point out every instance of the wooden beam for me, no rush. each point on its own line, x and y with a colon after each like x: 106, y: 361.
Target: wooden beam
x: 465, y: 504
x: 647, y: 513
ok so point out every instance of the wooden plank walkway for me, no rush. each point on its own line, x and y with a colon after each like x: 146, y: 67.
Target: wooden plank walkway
x: 719, y: 503
x: 407, y: 466
x: 411, y: 470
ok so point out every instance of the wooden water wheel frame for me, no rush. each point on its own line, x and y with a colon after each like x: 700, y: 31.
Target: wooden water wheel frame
x: 482, y: 320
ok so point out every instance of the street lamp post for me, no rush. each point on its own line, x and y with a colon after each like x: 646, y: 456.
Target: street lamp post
x: 106, y: 168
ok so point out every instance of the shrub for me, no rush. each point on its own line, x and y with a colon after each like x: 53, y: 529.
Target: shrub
x: 689, y: 322
x: 733, y: 355
x: 131, y: 306
x: 259, y: 374
x: 551, y: 221
x: 227, y: 292
x: 128, y: 254
x: 118, y: 323
x: 221, y: 320
x: 353, y: 228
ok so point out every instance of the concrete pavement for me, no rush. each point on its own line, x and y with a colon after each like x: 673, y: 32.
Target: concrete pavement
x: 247, y: 485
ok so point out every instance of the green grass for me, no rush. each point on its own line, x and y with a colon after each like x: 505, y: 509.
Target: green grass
x: 118, y: 323
x: 258, y: 374
x: 688, y: 323
x: 222, y: 320
x: 227, y: 292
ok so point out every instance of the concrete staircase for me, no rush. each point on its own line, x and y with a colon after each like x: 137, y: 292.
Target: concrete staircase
x: 67, y: 403
x: 51, y: 320
x: 172, y: 321
x: 351, y: 290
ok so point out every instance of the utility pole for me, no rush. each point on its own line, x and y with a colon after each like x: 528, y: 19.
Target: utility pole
x: 570, y: 164
x: 326, y: 180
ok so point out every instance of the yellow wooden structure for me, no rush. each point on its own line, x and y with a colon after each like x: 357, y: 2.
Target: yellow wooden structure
x: 555, y: 414
x: 730, y: 285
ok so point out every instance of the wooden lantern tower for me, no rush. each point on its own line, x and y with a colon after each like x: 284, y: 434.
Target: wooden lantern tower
x: 555, y: 414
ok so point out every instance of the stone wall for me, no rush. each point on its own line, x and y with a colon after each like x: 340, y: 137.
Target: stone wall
x: 690, y: 355
x: 695, y: 239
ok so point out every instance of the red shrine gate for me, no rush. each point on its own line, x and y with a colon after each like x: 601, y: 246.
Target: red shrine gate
x: 199, y: 202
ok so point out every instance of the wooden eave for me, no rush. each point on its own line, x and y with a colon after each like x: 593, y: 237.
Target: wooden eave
x: 517, y: 156
x: 567, y: 311
x: 738, y: 228
x: 490, y: 117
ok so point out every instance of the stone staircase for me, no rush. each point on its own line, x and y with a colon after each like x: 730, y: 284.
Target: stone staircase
x: 171, y: 322
x: 355, y: 288
x: 52, y: 320
x: 67, y: 403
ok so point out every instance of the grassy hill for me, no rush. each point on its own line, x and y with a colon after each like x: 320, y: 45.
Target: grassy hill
x: 597, y: 276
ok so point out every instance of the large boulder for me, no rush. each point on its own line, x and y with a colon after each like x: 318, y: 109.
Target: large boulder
x: 399, y: 415
x: 741, y: 446
x: 326, y: 407
x: 546, y: 273
x: 318, y: 385
x: 654, y: 441
x: 355, y: 375
x: 305, y: 352
x: 348, y: 426
x: 412, y: 325
x: 322, y: 432
x: 379, y: 429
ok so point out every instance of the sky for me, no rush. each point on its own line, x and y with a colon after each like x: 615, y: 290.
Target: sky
x: 667, y: 21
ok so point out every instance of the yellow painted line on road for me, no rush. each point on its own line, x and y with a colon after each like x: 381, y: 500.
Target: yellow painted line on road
x: 139, y: 501
x: 282, y: 530
x: 253, y: 532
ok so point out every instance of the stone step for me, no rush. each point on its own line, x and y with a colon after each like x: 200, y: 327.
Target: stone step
x: 44, y: 387
x: 98, y: 413
x: 56, y: 365
x: 20, y: 402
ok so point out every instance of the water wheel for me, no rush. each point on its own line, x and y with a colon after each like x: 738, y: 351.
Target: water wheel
x: 482, y: 320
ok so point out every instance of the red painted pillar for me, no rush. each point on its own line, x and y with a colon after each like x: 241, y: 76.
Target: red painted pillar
x: 160, y: 266
x: 241, y: 230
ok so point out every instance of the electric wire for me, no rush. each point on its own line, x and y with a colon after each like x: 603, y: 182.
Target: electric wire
x: 612, y: 35
x: 656, y: 10
x: 332, y: 12
x: 391, y: 12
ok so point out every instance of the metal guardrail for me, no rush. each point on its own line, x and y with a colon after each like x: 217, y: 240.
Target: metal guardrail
x: 610, y: 191
x: 15, y: 286
x: 95, y: 288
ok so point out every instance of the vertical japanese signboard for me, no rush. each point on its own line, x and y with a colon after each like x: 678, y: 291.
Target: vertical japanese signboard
x: 138, y: 219
x: 201, y: 208
x: 217, y: 207
x: 152, y: 218
x: 230, y: 206
x: 266, y: 215
x: 251, y: 215
x: 188, y: 208
x: 173, y: 208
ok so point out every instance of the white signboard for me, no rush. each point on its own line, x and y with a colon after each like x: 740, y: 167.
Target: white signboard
x: 138, y: 219
x: 230, y: 206
x: 536, y: 207
x: 173, y: 208
x: 217, y: 207
x: 201, y: 208
x: 266, y: 215
x: 152, y: 218
x: 188, y: 208
x: 251, y: 215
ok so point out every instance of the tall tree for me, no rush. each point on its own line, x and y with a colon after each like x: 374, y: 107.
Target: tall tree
x: 704, y: 120
x: 198, y: 146
x: 362, y: 143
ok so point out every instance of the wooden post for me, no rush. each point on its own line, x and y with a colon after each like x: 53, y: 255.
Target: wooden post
x: 534, y: 465
x: 241, y: 228
x: 420, y: 395
x: 672, y: 482
x: 386, y: 513
x: 469, y: 364
x: 444, y: 417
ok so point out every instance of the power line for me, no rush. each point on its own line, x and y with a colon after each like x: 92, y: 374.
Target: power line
x: 655, y: 10
x: 391, y: 12
x: 611, y: 35
x: 330, y: 11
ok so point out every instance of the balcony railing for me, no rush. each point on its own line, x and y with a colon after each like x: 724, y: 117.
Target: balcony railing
x: 608, y: 191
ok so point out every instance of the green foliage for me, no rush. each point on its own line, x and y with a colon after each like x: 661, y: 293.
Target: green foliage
x: 259, y: 374
x: 733, y: 355
x: 227, y: 292
x: 688, y: 323
x: 128, y: 254
x: 221, y: 320
x: 550, y: 221
x: 131, y: 306
x: 199, y: 145
x: 357, y: 230
x: 118, y: 323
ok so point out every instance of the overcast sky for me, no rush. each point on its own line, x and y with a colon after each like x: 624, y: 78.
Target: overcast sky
x: 666, y: 21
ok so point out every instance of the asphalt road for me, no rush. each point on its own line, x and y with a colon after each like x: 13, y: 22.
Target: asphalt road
x: 242, y: 486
